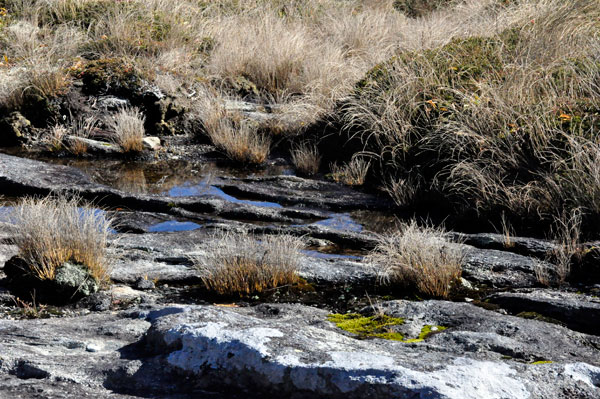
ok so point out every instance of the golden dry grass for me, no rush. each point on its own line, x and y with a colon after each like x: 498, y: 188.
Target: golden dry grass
x: 239, y: 263
x: 352, y: 173
x: 55, y: 230
x: 128, y: 129
x: 306, y: 158
x: 419, y: 258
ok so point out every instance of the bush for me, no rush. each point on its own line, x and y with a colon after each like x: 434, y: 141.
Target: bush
x: 420, y: 258
x: 240, y: 263
x: 55, y: 230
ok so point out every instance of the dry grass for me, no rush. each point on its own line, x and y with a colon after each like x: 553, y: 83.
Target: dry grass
x: 240, y: 263
x: 567, y: 232
x: 55, y: 136
x: 55, y: 230
x: 498, y: 121
x: 420, y: 258
x: 352, y: 173
x: 306, y: 159
x: 82, y: 128
x: 128, y: 127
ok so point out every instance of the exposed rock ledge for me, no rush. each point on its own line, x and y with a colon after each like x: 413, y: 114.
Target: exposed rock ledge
x: 182, y: 351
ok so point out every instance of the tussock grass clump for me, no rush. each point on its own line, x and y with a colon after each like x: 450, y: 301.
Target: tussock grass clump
x: 238, y: 138
x: 419, y: 258
x: 352, y: 173
x: 128, y: 127
x: 82, y: 128
x: 503, y: 122
x: 55, y: 230
x: 306, y: 159
x: 240, y: 263
x: 241, y: 141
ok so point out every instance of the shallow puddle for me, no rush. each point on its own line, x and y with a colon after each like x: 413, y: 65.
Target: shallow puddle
x: 172, y: 226
x: 203, y: 188
x: 340, y: 221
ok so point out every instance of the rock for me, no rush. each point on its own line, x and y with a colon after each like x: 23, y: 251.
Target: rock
x: 579, y: 312
x: 73, y: 357
x: 520, y: 245
x: 19, y: 176
x: 144, y: 284
x: 499, y: 268
x: 94, y: 347
x: 165, y: 257
x: 151, y: 143
x: 297, y: 352
x: 98, y: 302
x: 14, y: 128
x: 293, y: 190
x: 74, y: 280
x: 112, y: 103
x: 93, y: 146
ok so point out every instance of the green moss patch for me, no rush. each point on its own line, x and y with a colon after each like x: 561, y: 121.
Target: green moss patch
x: 378, y: 326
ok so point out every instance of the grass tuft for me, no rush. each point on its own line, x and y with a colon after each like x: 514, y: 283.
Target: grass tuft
x: 54, y: 230
x: 419, y: 258
x: 128, y: 127
x: 306, y: 159
x: 240, y: 263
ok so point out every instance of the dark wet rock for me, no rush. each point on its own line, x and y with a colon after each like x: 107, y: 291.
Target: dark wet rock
x: 500, y: 268
x: 98, y: 302
x: 520, y: 245
x: 14, y: 129
x: 294, y: 350
x: 292, y: 190
x: 20, y: 176
x: 579, y: 312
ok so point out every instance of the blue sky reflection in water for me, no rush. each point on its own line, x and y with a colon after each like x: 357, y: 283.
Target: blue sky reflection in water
x: 190, y: 190
x: 173, y: 226
x: 341, y: 221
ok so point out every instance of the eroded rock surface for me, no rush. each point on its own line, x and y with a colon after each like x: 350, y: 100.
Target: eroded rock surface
x: 296, y: 350
x: 578, y: 311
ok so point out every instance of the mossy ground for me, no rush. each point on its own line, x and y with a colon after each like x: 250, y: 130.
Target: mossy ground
x: 378, y: 326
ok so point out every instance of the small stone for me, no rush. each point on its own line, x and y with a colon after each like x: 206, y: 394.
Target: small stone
x: 152, y: 143
x: 144, y: 284
x: 93, y: 347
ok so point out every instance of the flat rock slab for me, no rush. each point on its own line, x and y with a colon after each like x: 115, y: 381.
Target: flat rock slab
x: 500, y: 269
x: 578, y: 311
x: 49, y: 358
x: 521, y: 245
x: 293, y: 350
x: 293, y: 190
x: 166, y: 257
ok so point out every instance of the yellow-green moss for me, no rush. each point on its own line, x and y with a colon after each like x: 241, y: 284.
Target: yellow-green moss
x: 542, y: 362
x: 378, y: 326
